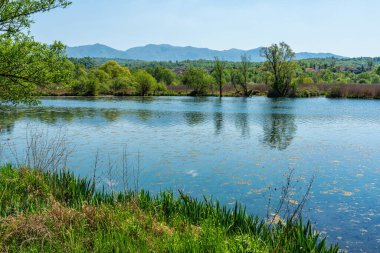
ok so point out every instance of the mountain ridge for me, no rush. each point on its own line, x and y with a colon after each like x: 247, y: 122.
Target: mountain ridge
x: 167, y: 52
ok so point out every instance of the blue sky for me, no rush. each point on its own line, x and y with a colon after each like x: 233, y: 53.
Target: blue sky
x: 345, y: 27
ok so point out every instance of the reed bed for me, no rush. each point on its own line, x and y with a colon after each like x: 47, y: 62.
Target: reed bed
x: 44, y: 211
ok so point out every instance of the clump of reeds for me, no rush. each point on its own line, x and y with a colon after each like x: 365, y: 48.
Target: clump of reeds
x: 56, y: 211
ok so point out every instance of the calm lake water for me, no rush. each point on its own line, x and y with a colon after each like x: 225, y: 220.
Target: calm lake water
x: 231, y: 149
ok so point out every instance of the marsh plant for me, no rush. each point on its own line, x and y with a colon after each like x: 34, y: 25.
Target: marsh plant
x: 51, y: 211
x: 292, y: 197
x: 43, y: 150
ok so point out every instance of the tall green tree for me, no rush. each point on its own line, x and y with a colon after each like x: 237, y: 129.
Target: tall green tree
x: 280, y: 68
x: 24, y: 63
x: 219, y: 74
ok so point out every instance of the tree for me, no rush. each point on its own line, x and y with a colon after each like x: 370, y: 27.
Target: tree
x: 16, y: 14
x: 114, y: 70
x: 86, y: 62
x: 163, y: 75
x: 145, y: 82
x: 197, y: 79
x: 244, y: 74
x: 219, y: 74
x: 378, y: 70
x: 24, y: 63
x: 280, y: 68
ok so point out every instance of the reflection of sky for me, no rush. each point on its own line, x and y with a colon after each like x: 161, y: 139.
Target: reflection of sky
x: 232, y: 149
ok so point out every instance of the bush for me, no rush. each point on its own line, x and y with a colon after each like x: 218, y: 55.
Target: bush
x: 145, y: 82
x: 197, y: 79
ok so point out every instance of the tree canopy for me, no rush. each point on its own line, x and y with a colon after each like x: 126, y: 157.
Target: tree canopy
x: 280, y: 68
x: 15, y: 15
x: 24, y: 63
x: 197, y: 79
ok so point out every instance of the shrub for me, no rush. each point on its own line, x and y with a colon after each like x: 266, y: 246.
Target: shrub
x: 145, y: 82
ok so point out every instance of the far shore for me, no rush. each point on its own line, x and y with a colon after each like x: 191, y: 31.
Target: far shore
x: 352, y: 91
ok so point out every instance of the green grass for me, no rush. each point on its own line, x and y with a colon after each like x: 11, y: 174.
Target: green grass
x: 59, y: 212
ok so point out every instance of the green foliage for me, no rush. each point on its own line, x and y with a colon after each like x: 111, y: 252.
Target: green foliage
x: 145, y: 82
x: 159, y: 89
x: 122, y: 86
x: 45, y: 212
x: 16, y: 15
x: 378, y: 70
x: 86, y: 62
x: 197, y: 79
x: 109, y: 78
x: 114, y: 70
x: 162, y: 75
x: 280, y: 68
x: 24, y: 63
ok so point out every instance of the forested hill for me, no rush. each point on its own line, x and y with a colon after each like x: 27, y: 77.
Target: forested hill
x: 172, y: 53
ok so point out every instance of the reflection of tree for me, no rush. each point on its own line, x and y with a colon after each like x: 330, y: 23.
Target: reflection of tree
x: 194, y: 118
x: 111, y: 115
x: 144, y: 115
x: 218, y: 116
x: 53, y: 116
x: 242, y: 123
x: 7, y: 122
x: 242, y: 119
x: 218, y: 122
x: 279, y: 129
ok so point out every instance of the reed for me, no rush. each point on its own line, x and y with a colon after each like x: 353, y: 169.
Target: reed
x: 46, y: 211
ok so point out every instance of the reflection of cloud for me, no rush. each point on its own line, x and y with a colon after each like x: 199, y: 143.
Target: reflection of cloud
x: 192, y: 173
x: 110, y: 183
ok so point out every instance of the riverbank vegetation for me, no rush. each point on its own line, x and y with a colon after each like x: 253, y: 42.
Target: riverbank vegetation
x: 220, y: 79
x: 56, y: 211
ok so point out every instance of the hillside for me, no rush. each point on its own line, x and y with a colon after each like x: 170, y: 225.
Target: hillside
x: 166, y: 52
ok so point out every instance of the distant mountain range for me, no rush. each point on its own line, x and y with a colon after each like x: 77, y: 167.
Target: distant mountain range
x: 166, y: 52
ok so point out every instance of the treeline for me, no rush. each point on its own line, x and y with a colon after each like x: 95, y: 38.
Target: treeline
x: 94, y: 77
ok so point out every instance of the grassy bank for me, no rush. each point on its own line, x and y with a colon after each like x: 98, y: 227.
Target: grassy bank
x: 45, y: 212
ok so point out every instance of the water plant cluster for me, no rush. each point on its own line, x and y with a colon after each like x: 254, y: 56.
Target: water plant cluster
x: 56, y: 211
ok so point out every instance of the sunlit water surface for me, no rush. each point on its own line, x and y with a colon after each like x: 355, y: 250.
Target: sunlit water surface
x: 232, y: 149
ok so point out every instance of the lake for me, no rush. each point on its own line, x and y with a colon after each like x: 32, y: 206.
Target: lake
x: 232, y: 149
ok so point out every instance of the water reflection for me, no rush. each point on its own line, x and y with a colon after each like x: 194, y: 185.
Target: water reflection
x: 111, y: 115
x: 194, y: 118
x: 227, y: 131
x: 279, y: 126
x: 242, y: 119
x: 218, y: 116
x: 218, y: 122
x: 144, y: 115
